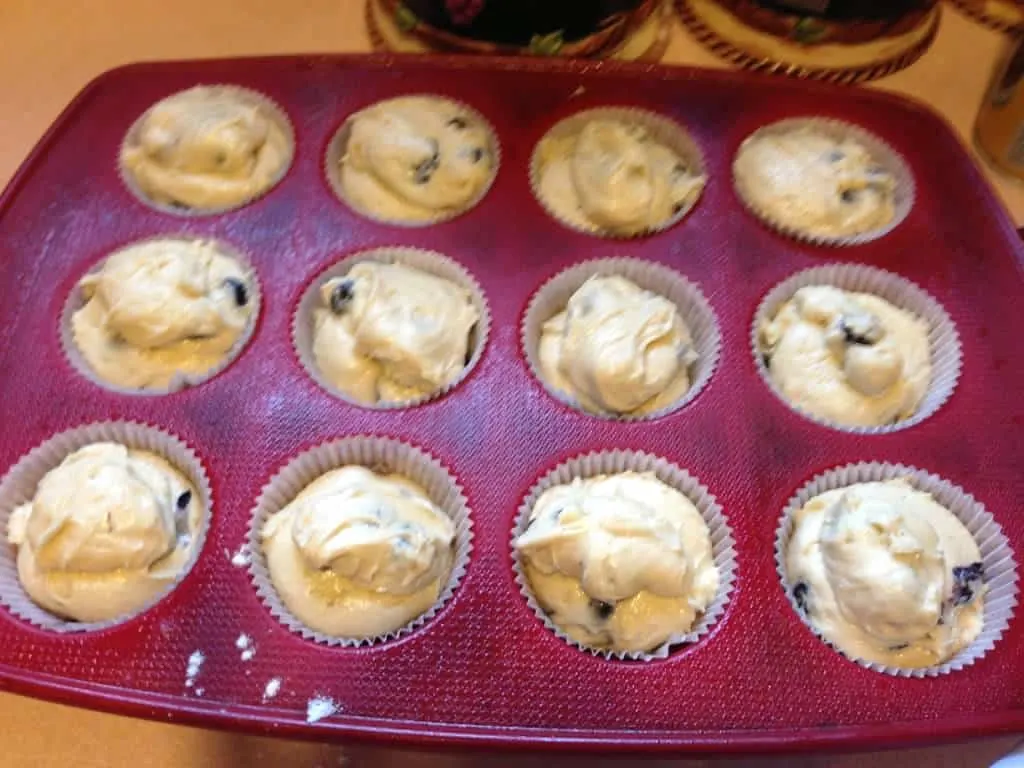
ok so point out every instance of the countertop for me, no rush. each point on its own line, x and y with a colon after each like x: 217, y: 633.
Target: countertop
x: 50, y: 50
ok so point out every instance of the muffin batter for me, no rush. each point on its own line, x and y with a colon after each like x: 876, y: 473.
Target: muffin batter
x: 415, y: 159
x: 814, y: 183
x: 621, y: 562
x: 207, y: 149
x: 388, y: 333
x: 850, y: 358
x: 617, y: 348
x: 886, y: 574
x: 108, y: 530
x: 358, y: 554
x: 614, y: 177
x: 162, y: 310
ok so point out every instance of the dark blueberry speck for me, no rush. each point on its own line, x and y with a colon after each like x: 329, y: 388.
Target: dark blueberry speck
x: 458, y: 123
x: 426, y: 169
x: 476, y: 155
x: 962, y: 594
x: 848, y: 195
x: 800, y: 596
x: 971, y: 572
x: 852, y: 337
x: 899, y: 647
x: 184, y: 500
x: 341, y: 295
x: 964, y: 577
x: 603, y: 610
x: 239, y: 290
x: 835, y: 156
x: 677, y: 207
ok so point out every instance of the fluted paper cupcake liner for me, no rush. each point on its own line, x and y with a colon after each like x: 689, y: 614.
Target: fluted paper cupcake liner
x: 75, y: 301
x: 882, y: 154
x: 996, y: 555
x: 338, y: 146
x: 22, y: 479
x: 430, y: 262
x: 943, y: 339
x: 275, y: 112
x: 383, y: 456
x: 553, y: 296
x: 614, y: 462
x: 661, y: 130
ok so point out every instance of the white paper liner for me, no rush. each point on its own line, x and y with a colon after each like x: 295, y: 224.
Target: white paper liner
x: 19, y: 486
x: 662, y: 131
x: 553, y: 296
x: 338, y: 145
x: 883, y: 154
x: 943, y: 339
x: 614, y: 462
x: 272, y: 109
x: 75, y: 301
x: 996, y: 554
x: 383, y: 456
x: 430, y: 262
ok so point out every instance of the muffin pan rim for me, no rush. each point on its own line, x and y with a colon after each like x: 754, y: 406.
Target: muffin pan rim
x: 463, y: 732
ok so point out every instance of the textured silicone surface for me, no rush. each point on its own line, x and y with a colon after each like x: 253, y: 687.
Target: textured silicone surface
x: 485, y: 670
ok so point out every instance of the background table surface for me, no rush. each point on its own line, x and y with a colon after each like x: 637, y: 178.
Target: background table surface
x: 50, y: 50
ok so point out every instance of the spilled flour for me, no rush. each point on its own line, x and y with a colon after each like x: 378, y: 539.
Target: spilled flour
x: 245, y: 644
x: 195, y: 663
x: 241, y: 558
x: 320, y: 707
x: 272, y: 689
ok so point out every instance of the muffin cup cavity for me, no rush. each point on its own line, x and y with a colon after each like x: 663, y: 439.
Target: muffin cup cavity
x: 943, y: 339
x: 883, y: 154
x: 430, y: 262
x: 694, y: 309
x: 19, y: 486
x: 338, y: 146
x: 613, y: 462
x: 662, y: 130
x: 75, y: 301
x: 996, y: 554
x: 381, y: 455
x: 275, y: 112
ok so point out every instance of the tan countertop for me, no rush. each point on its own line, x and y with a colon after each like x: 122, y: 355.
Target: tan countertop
x: 49, y: 50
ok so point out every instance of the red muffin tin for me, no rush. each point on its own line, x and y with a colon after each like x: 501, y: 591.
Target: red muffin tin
x: 485, y: 671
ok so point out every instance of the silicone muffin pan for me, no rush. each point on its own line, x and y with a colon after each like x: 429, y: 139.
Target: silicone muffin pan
x: 485, y: 671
